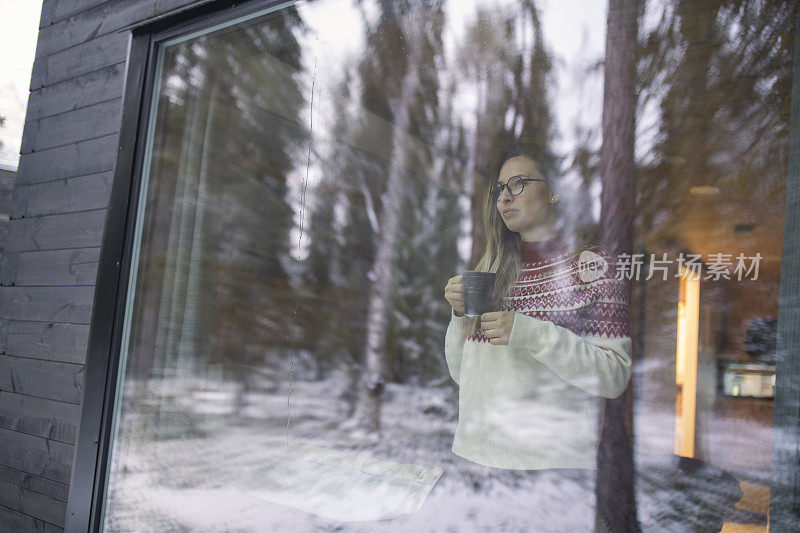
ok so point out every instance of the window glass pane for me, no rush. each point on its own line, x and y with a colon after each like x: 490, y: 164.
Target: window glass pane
x: 318, y: 176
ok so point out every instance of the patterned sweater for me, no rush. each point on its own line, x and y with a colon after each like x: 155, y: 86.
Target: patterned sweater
x: 538, y: 401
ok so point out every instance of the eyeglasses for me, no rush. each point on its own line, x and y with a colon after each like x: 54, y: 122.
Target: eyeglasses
x: 514, y: 186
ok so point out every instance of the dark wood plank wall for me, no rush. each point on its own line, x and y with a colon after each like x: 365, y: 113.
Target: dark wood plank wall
x: 50, y: 245
x: 7, y: 179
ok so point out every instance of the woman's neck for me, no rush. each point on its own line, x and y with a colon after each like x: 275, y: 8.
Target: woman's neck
x: 539, y: 233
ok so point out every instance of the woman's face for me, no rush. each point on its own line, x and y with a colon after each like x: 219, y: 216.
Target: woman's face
x: 529, y: 211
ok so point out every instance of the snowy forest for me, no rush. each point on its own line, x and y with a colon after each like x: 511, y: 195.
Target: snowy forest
x: 307, y: 199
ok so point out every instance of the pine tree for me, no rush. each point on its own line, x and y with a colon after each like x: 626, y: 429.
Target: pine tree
x: 510, y: 108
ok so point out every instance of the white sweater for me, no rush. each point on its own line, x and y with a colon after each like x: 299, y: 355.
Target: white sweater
x: 538, y: 401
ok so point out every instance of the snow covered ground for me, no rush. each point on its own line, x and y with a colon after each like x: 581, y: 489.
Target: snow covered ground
x: 234, y: 470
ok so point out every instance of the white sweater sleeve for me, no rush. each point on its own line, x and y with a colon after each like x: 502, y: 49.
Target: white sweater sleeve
x: 597, y: 364
x: 454, y: 340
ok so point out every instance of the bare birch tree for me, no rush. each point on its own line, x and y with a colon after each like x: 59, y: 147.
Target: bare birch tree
x: 367, y: 415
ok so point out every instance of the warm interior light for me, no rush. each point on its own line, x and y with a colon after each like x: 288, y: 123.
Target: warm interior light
x: 704, y: 190
x: 686, y: 362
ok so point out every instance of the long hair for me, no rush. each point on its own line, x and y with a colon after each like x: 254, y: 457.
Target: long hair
x: 502, y: 254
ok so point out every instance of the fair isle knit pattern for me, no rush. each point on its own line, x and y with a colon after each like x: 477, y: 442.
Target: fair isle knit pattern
x: 537, y: 402
x: 550, y: 288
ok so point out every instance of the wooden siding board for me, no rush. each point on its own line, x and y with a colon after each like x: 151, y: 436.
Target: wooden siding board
x: 87, y: 57
x: 52, y: 341
x: 68, y: 44
x: 97, y: 120
x: 77, y: 29
x: 81, y: 91
x: 53, y: 232
x: 30, y: 502
x: 86, y: 157
x: 38, y: 73
x: 98, y: 21
x: 54, y: 304
x: 4, y: 328
x: 12, y: 520
x: 87, y: 25
x: 8, y: 264
x: 58, y: 491
x: 57, y: 10
x: 83, y: 193
x: 43, y: 379
x: 48, y: 15
x: 39, y: 416
x: 41, y: 457
x: 3, y: 235
x: 58, y: 267
x: 7, y: 179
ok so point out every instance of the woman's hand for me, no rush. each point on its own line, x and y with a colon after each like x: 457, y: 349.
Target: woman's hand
x: 497, y: 326
x: 454, y: 294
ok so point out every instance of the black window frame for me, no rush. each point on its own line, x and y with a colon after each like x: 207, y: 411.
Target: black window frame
x: 101, y: 368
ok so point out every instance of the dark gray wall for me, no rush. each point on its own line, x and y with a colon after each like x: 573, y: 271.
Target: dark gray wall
x: 51, y: 244
x: 7, y: 179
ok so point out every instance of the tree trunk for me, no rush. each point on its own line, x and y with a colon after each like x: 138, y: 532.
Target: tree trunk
x: 616, y: 499
x: 476, y: 193
x: 368, y: 408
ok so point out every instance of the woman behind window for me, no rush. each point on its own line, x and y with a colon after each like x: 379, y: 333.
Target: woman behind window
x: 533, y: 373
